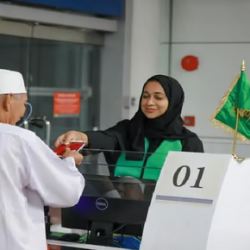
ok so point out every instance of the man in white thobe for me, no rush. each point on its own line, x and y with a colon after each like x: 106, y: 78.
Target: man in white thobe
x: 31, y: 174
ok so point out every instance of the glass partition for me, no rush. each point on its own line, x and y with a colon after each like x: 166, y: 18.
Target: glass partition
x: 52, y: 65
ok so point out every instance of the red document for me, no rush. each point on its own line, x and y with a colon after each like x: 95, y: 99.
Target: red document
x: 74, y: 146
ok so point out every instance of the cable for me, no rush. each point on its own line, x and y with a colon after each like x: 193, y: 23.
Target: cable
x: 27, y: 114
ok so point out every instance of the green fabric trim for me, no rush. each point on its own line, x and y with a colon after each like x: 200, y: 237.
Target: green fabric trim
x: 154, y: 163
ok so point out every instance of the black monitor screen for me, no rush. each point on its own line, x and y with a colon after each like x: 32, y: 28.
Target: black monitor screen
x: 110, y: 205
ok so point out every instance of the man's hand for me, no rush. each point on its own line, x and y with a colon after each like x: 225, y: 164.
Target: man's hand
x: 77, y: 156
x: 70, y: 136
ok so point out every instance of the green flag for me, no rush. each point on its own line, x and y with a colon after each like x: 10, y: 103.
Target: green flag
x: 233, y: 115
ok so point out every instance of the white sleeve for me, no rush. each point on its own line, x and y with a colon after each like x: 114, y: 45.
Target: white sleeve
x: 58, y: 181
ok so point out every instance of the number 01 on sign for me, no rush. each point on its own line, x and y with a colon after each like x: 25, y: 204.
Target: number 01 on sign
x: 188, y: 178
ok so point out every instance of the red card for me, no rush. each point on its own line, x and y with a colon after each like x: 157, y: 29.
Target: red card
x: 74, y: 146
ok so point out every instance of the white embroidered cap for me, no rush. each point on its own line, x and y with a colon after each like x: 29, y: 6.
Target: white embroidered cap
x: 11, y: 82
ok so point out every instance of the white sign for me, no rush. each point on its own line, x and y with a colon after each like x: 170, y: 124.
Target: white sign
x: 183, y: 205
x: 192, y: 177
x: 230, y: 227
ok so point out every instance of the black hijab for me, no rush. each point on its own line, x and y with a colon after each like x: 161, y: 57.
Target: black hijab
x: 167, y: 126
x: 129, y: 135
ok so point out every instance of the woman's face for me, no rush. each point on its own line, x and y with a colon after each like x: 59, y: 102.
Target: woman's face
x: 154, y: 101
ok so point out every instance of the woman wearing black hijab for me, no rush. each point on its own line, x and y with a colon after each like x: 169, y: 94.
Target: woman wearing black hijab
x: 146, y: 139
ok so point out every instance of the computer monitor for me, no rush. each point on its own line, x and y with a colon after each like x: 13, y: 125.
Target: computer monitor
x: 108, y: 206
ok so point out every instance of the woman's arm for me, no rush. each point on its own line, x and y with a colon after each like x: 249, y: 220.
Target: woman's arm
x: 101, y: 140
x: 110, y: 139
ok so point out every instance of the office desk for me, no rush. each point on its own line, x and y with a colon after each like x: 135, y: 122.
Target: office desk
x: 76, y: 246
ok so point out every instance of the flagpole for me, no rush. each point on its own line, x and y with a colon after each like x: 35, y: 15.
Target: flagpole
x: 235, y: 131
x: 237, y: 124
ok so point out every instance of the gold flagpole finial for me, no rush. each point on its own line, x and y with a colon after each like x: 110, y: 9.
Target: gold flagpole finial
x: 243, y: 66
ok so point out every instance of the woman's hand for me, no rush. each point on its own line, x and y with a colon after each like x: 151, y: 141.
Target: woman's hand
x: 70, y: 136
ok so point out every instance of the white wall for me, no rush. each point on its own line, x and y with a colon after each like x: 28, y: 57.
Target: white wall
x: 216, y: 31
x: 145, y: 39
x: 130, y: 57
x: 112, y: 70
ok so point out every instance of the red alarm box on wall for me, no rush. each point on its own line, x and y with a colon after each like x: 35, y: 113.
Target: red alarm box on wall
x: 189, y: 121
x: 190, y: 63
